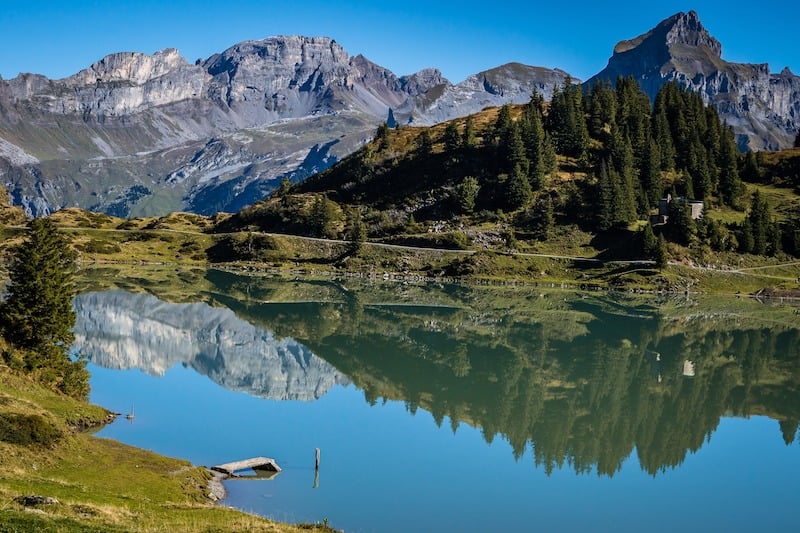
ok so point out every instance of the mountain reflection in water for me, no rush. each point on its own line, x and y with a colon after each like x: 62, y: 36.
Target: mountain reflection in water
x: 120, y: 330
x: 579, y: 380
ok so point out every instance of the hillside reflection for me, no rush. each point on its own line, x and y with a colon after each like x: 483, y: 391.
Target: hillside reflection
x: 581, y: 380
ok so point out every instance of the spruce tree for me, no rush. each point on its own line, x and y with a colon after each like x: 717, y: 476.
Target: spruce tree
x: 451, y: 139
x: 37, y: 314
x: 517, y: 189
x: 660, y: 255
x: 356, y: 230
x: 651, y: 174
x: 466, y: 194
x: 382, y: 136
x: 730, y: 183
x: 649, y: 242
x: 424, y: 143
x: 468, y: 139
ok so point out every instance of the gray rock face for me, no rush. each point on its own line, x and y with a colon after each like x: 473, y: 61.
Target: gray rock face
x: 121, y: 330
x: 510, y: 83
x: 763, y: 108
x: 139, y: 135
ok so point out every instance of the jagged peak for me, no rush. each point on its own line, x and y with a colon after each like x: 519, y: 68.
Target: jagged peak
x: 136, y: 67
x: 679, y: 29
x: 423, y: 81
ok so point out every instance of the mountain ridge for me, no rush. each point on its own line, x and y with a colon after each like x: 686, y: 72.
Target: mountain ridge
x: 139, y: 134
x: 125, y: 135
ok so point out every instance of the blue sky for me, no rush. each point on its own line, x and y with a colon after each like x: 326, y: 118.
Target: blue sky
x: 58, y: 38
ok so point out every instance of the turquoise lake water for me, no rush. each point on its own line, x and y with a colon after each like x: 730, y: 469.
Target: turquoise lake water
x: 456, y: 409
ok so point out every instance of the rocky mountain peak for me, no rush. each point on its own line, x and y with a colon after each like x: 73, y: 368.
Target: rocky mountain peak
x: 423, y: 81
x: 679, y: 29
x: 282, y: 50
x: 130, y: 67
x: 687, y: 29
x: 763, y: 108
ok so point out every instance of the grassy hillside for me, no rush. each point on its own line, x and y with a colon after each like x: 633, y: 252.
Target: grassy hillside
x: 443, y: 202
x: 97, y: 484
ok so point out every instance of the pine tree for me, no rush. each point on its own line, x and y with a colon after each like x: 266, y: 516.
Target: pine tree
x: 533, y: 137
x: 38, y: 312
x: 661, y: 255
x: 37, y: 315
x: 503, y: 125
x: 602, y: 104
x: 451, y: 139
x: 512, y: 150
x: 751, y: 170
x: 517, y: 189
x: 467, y: 194
x: 730, y: 183
x: 549, y: 158
x: 649, y: 242
x: 323, y: 217
x: 746, y: 241
x: 424, y: 143
x: 607, y: 198
x: 382, y: 136
x: 566, y: 122
x: 468, y: 139
x: 651, y: 175
x: 356, y: 230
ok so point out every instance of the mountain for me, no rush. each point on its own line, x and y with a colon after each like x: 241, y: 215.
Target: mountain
x: 763, y: 108
x: 137, y: 134
x: 512, y: 83
x: 118, y: 329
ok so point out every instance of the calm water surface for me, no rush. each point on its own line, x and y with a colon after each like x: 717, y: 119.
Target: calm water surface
x: 455, y: 409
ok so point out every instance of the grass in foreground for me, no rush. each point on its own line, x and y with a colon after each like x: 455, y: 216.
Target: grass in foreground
x: 99, y: 484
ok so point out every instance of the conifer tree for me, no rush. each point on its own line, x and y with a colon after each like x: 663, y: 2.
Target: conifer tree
x: 424, y: 143
x: 649, y: 242
x: 503, y: 125
x: 468, y: 139
x: 356, y: 230
x: 533, y: 136
x: 751, y: 170
x: 517, y: 189
x: 660, y: 256
x: 323, y: 217
x: 549, y: 157
x: 451, y: 139
x: 602, y: 103
x: 467, y: 193
x: 37, y: 315
x: 651, y: 174
x: 730, y: 183
x: 382, y: 136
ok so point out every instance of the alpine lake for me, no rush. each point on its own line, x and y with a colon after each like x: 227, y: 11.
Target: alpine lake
x: 457, y: 408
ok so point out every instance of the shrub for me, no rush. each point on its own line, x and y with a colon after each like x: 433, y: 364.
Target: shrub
x: 27, y: 430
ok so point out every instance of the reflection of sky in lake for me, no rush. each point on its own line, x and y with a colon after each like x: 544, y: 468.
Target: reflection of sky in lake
x: 383, y: 469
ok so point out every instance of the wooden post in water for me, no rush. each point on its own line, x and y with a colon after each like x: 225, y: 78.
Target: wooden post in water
x: 316, y: 469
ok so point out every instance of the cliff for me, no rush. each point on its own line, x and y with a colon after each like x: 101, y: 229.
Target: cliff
x: 763, y: 108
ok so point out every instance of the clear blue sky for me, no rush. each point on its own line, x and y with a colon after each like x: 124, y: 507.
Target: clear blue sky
x: 58, y: 38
